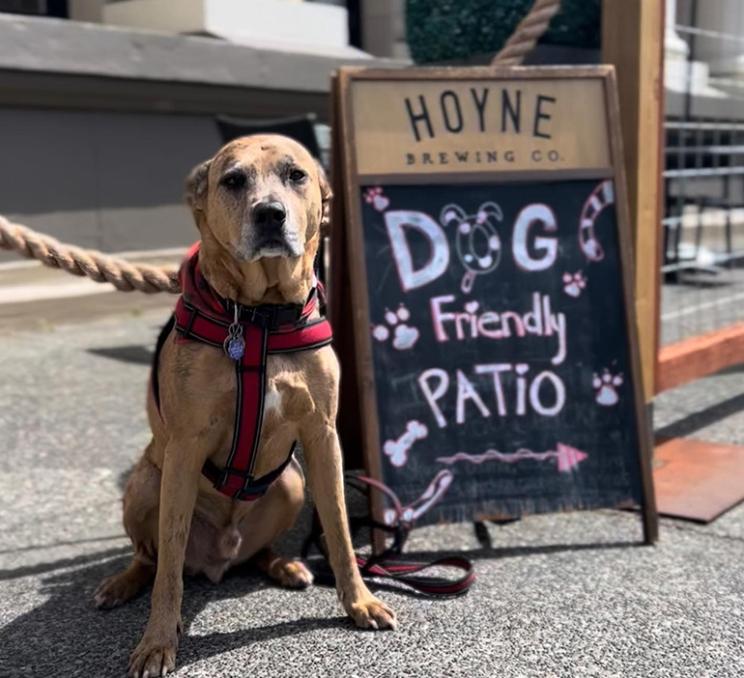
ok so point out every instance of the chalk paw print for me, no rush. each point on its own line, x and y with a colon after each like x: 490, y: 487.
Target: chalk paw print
x: 574, y: 283
x: 404, y: 336
x: 373, y: 196
x: 605, y: 387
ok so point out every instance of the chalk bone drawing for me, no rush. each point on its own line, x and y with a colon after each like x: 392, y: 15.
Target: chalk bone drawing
x: 433, y: 493
x: 404, y: 336
x: 397, y: 450
x: 574, y: 283
x: 601, y: 197
x: 478, y: 242
x: 567, y: 458
x: 605, y: 387
x: 373, y: 196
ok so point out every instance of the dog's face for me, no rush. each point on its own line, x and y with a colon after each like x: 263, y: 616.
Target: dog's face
x: 260, y: 196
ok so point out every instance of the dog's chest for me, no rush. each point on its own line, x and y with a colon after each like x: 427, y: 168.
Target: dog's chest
x: 282, y: 390
x: 286, y: 402
x: 212, y: 393
x: 272, y: 402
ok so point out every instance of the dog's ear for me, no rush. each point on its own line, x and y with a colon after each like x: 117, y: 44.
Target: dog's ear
x: 452, y: 215
x: 196, y: 186
x: 325, y: 195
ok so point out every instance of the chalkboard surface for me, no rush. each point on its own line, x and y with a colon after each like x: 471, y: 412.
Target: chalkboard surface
x: 486, y: 249
x: 500, y: 348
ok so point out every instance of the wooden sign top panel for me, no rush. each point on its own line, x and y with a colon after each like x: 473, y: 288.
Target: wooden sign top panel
x: 445, y: 126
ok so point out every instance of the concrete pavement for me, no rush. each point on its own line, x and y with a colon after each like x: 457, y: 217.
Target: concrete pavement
x: 558, y: 595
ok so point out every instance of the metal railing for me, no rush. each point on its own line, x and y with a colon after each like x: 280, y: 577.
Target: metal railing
x: 703, y: 220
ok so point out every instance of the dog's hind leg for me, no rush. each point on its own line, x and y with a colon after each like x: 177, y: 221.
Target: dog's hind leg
x: 141, y: 499
x: 292, y: 574
x: 125, y: 585
x: 273, y: 515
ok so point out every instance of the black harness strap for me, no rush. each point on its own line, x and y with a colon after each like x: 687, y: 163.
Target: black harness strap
x: 162, y: 338
x: 257, y: 486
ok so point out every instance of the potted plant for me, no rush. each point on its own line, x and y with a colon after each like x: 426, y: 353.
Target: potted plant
x: 469, y: 31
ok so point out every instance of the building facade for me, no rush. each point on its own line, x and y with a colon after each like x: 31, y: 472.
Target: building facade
x: 105, y: 107
x: 114, y: 102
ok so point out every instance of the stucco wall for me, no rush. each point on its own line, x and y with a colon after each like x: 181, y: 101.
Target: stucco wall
x: 99, y: 126
x: 113, y: 181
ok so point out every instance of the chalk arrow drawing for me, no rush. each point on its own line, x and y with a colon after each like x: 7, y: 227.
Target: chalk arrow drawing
x: 567, y: 457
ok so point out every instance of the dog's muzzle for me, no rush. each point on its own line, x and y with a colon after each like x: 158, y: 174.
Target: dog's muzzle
x: 272, y: 236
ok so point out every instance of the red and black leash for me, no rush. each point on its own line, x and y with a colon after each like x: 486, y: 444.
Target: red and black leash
x: 389, y: 566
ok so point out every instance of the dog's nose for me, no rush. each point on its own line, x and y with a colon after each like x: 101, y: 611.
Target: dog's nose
x: 269, y: 215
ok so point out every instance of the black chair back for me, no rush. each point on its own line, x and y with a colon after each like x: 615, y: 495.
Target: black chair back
x: 301, y: 128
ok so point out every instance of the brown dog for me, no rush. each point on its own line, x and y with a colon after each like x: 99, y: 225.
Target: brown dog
x: 174, y: 516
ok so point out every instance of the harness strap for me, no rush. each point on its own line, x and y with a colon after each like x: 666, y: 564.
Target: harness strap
x: 264, y: 331
x: 193, y: 323
x: 258, y: 487
x: 246, y: 335
x: 250, y: 378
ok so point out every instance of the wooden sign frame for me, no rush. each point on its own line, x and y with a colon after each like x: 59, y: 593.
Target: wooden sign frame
x: 633, y: 41
x: 350, y: 265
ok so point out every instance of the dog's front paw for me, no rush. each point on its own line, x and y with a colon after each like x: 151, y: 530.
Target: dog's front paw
x: 154, y: 656
x: 371, y: 613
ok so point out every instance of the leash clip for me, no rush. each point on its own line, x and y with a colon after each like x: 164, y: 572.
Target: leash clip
x: 234, y: 344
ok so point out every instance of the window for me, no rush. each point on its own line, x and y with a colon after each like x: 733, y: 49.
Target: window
x: 56, y: 8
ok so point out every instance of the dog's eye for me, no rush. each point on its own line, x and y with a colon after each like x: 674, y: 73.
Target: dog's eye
x: 297, y: 176
x: 234, y: 180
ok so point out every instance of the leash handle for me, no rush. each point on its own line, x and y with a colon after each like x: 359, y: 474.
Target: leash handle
x: 408, y: 572
x: 389, y: 564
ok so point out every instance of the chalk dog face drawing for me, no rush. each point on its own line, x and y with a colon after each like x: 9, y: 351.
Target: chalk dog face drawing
x: 478, y: 242
x: 259, y: 205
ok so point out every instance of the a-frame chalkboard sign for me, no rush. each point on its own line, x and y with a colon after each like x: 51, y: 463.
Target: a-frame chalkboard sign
x: 484, y: 233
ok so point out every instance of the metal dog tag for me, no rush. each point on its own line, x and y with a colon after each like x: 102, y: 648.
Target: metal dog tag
x: 234, y: 343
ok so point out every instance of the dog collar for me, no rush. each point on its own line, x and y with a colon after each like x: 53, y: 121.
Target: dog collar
x: 247, y: 335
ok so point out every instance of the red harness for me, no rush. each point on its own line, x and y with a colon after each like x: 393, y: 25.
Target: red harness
x: 247, y: 334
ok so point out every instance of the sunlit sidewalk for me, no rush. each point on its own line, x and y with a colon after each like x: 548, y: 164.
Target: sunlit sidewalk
x: 558, y: 595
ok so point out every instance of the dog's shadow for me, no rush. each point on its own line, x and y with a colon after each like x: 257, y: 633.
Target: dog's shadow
x: 66, y: 635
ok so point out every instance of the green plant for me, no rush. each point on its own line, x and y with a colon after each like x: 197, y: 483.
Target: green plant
x: 446, y: 30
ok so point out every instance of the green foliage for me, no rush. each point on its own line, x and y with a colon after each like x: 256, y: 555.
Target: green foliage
x: 445, y: 30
